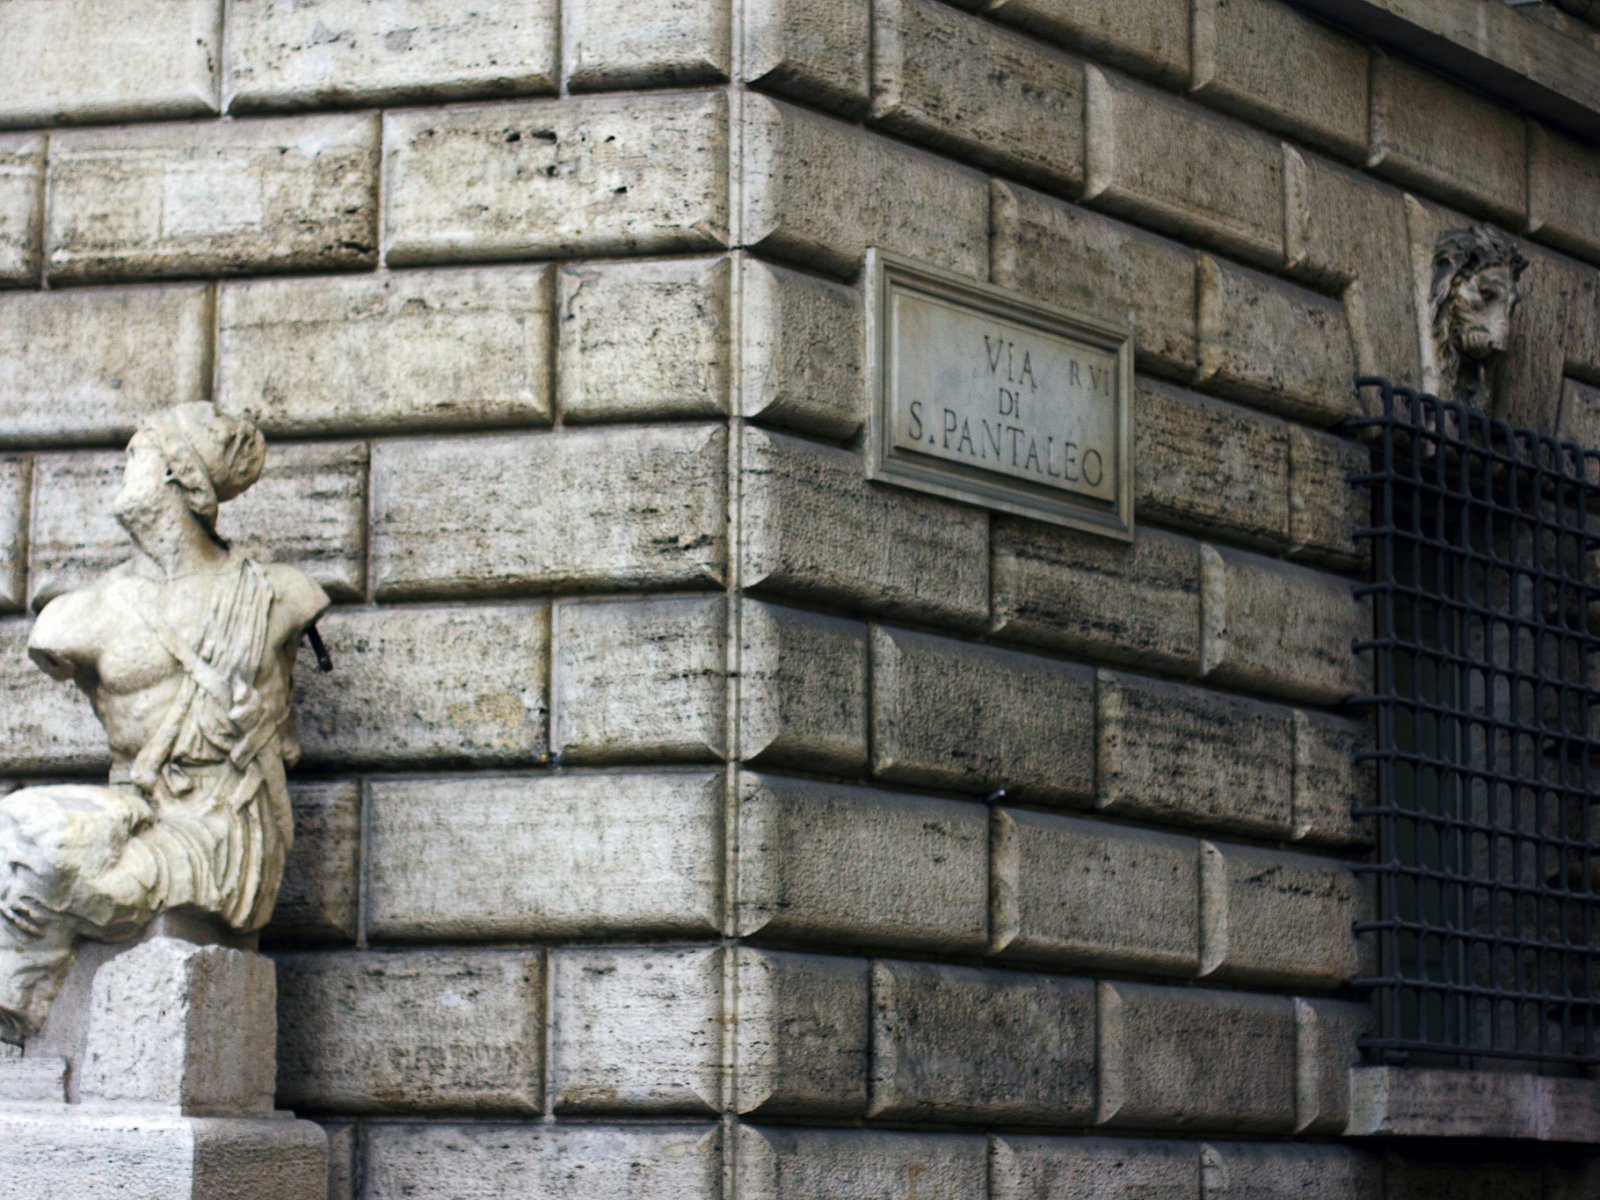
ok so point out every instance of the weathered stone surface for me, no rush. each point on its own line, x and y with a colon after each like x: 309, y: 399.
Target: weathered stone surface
x: 16, y: 486
x: 643, y: 340
x: 801, y: 357
x: 641, y: 680
x: 949, y: 714
x: 820, y: 192
x: 799, y: 1164
x: 1327, y: 1047
x: 428, y: 685
x: 1211, y: 466
x: 22, y: 159
x: 1192, y: 757
x: 1437, y: 1103
x: 1278, y: 346
x: 802, y: 1034
x: 45, y: 726
x: 814, y: 50
x: 1269, y: 917
x: 344, y: 1143
x: 1052, y: 877
x: 614, y: 174
x: 814, y: 527
x: 400, y: 350
x: 213, y: 199
x: 1041, y: 1168
x: 1424, y: 1175
x: 308, y: 510
x: 424, y: 1031
x: 1446, y: 141
x: 803, y: 689
x: 109, y: 60
x: 958, y: 1043
x: 637, y: 1029
x: 1240, y: 1171
x: 1170, y: 164
x: 983, y: 95
x: 1563, y: 178
x: 600, y: 509
x: 1150, y: 37
x: 1277, y: 628
x: 88, y: 366
x: 1325, y: 508
x: 1266, y: 62
x: 189, y: 1028
x: 644, y: 43
x: 1328, y: 783
x: 1181, y: 1058
x: 849, y: 865
x: 594, y: 1162
x: 349, y: 52
x: 548, y: 856
x: 1580, y: 412
x: 321, y: 883
x: 1087, y: 595
x: 1081, y: 260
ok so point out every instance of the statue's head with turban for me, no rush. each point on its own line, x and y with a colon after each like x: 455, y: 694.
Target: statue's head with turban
x: 208, y: 456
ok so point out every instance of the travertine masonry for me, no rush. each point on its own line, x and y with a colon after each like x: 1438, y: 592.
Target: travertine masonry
x: 803, y: 1034
x: 801, y: 354
x: 1035, y: 1168
x: 1562, y: 175
x: 21, y: 205
x: 1275, y: 918
x: 1147, y: 36
x: 320, y: 897
x: 796, y: 1164
x: 803, y: 690
x: 16, y: 483
x: 814, y: 50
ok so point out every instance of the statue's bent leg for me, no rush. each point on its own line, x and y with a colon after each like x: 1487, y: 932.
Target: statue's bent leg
x: 57, y: 845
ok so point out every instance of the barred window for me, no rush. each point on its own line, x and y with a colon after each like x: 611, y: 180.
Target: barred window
x: 1483, y: 541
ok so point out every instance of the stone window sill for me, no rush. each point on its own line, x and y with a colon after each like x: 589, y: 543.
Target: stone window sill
x: 1404, y: 1102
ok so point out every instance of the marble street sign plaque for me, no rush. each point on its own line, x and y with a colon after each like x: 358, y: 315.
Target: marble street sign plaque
x: 981, y: 395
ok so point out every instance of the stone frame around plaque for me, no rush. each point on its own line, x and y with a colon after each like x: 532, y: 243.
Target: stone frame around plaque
x: 889, y: 274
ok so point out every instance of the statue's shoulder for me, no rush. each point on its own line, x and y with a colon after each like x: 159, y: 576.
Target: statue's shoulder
x: 299, y: 597
x: 72, y: 626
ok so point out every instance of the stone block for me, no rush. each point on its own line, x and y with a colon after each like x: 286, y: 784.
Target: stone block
x: 641, y: 680
x: 644, y: 43
x: 1182, y: 1058
x: 1177, y: 167
x: 88, y: 366
x: 376, y: 353
x: 643, y: 340
x: 545, y: 857
x: 213, y: 199
x: 349, y: 52
x: 605, y: 509
x: 817, y: 51
x: 1563, y: 178
x: 846, y: 865
x: 594, y: 1162
x: 1052, y: 883
x: 424, y: 1031
x: 16, y: 487
x: 1453, y: 144
x: 344, y: 1141
x: 183, y: 1027
x: 636, y: 1030
x: 320, y: 896
x: 46, y: 726
x: 1241, y: 1171
x: 308, y: 510
x: 815, y: 528
x: 1580, y: 412
x: 802, y: 1034
x: 965, y: 717
x: 1054, y: 1168
x: 1272, y: 627
x: 820, y: 192
x: 1081, y: 260
x: 803, y: 1164
x: 22, y: 158
x: 1268, y: 917
x: 1148, y: 37
x: 801, y: 358
x: 976, y: 92
x: 109, y: 60
x: 1424, y: 1175
x: 1136, y: 603
x: 964, y: 1044
x: 1211, y: 466
x: 1279, y: 346
x: 802, y: 690
x: 1191, y: 757
x: 1329, y: 784
x: 1266, y: 62
x: 428, y: 685
x: 1327, y: 1048
x: 1325, y: 508
x: 642, y: 174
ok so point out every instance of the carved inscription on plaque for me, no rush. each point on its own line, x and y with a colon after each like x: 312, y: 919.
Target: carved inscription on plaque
x: 982, y: 396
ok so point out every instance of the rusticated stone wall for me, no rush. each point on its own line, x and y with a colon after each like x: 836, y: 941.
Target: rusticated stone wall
x: 687, y: 817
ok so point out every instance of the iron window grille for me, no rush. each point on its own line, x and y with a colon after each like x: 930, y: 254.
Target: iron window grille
x: 1483, y: 539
